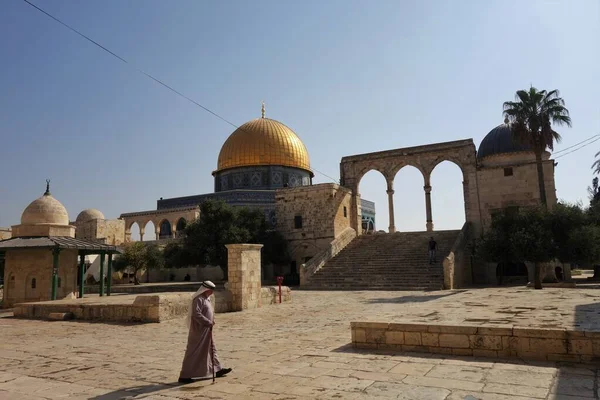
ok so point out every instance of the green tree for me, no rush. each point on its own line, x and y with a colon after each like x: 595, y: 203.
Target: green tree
x: 565, y: 218
x: 138, y: 256
x: 176, y: 256
x: 532, y: 240
x: 496, y: 245
x: 531, y: 117
x: 220, y: 224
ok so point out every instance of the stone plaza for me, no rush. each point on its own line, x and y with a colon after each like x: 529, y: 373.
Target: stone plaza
x: 302, y: 350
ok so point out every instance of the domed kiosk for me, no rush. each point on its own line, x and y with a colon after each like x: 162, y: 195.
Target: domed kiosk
x: 41, y: 257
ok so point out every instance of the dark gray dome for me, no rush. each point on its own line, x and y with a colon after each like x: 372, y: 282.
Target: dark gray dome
x: 500, y: 141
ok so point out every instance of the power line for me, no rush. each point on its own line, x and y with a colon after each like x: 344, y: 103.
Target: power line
x: 579, y: 148
x: 152, y: 77
x: 576, y: 144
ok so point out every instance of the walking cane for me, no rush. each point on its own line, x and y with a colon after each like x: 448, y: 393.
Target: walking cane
x: 212, y: 350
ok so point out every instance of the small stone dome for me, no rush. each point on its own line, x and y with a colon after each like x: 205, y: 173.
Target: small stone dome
x: 45, y: 211
x: 89, y: 215
x: 500, y: 141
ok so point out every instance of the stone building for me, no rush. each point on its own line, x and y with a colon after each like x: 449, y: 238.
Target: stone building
x: 91, y: 225
x: 5, y: 233
x: 311, y: 218
x: 41, y: 258
x: 260, y: 157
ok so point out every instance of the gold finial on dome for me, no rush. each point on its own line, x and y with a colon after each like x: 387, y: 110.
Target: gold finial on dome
x: 506, y: 121
x: 262, y: 109
x: 47, y: 188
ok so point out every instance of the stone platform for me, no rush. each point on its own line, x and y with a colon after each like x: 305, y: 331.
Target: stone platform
x: 159, y: 287
x: 551, y: 324
x: 145, y: 308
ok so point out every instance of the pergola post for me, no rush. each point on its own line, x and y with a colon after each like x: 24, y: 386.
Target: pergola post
x: 55, y: 253
x: 81, y: 274
x: 109, y: 277
x: 102, y: 256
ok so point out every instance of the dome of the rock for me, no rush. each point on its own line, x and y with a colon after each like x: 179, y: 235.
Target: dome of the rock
x: 263, y: 142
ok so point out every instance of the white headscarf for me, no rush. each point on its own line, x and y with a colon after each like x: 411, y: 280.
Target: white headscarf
x: 206, y: 285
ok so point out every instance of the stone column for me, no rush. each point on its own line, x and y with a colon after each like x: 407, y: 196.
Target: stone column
x: 157, y: 231
x: 243, y: 262
x: 390, y: 193
x: 429, y: 223
x: 142, y: 234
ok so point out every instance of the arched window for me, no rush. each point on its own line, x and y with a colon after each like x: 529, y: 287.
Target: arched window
x: 59, y: 282
x: 33, y: 283
x: 11, y: 283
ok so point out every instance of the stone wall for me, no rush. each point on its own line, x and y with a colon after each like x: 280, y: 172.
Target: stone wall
x: 324, y: 210
x: 145, y: 308
x: 480, y: 341
x: 108, y: 231
x: 5, y: 233
x: 243, y: 262
x: 498, y: 189
x: 23, y: 266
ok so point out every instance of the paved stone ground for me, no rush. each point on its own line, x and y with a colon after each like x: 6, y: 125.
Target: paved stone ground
x: 299, y: 351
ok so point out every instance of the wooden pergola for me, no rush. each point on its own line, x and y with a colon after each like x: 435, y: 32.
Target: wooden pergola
x: 58, y: 243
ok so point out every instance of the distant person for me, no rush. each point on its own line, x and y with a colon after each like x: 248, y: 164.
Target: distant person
x: 187, y: 278
x: 200, y: 359
x: 432, y: 250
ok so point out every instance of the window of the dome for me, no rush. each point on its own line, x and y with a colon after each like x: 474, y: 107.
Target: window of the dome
x: 508, y: 171
x: 298, y: 222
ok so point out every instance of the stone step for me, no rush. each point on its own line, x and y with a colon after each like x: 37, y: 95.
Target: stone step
x: 397, y: 261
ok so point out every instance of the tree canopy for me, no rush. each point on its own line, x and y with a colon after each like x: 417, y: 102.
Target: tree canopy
x: 220, y: 224
x: 568, y: 233
x: 139, y: 256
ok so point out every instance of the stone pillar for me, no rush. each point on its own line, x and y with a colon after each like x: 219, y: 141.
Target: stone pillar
x: 390, y: 193
x: 429, y: 223
x: 142, y: 234
x: 243, y: 262
x: 157, y: 231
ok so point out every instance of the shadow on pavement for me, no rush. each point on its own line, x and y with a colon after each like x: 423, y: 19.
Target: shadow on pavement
x: 413, y: 298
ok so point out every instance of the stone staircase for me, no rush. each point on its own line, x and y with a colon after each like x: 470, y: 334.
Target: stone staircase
x: 396, y: 261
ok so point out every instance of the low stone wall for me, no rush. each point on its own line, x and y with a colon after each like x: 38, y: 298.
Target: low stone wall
x: 480, y: 341
x: 270, y: 295
x: 143, y: 308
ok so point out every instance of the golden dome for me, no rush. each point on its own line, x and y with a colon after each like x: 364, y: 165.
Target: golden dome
x: 263, y: 141
x: 45, y: 211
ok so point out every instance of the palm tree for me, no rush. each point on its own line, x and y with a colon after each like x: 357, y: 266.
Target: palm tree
x: 531, y: 117
x: 596, y: 164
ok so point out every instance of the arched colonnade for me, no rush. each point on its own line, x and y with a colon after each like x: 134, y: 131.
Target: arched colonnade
x: 167, y: 223
x: 425, y: 159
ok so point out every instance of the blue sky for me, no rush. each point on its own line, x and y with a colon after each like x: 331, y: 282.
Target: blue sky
x: 348, y: 76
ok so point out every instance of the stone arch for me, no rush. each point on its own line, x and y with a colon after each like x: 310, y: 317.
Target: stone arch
x: 165, y: 228
x: 424, y: 158
x: 149, y: 230
x: 32, y: 287
x: 181, y: 224
x: 449, y: 186
x: 130, y: 233
x: 409, y: 208
x: 9, y: 287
